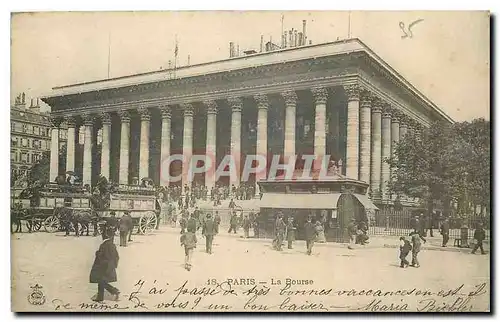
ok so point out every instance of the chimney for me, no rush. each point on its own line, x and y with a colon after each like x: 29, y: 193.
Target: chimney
x: 231, y: 49
x: 31, y: 102
x: 189, y: 60
x: 304, y: 31
x: 295, y: 38
x: 310, y: 42
x: 290, y: 38
x: 285, y: 42
x: 301, y: 39
x: 237, y: 50
x: 261, y: 43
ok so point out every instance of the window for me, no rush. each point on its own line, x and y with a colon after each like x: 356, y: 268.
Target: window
x: 36, y: 130
x: 24, y: 142
x: 43, y: 146
x: 24, y: 157
x: 13, y: 141
x: 13, y: 156
x: 36, y: 144
x: 25, y: 128
x: 19, y: 127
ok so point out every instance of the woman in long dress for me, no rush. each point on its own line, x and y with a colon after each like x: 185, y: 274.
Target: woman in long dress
x: 320, y: 232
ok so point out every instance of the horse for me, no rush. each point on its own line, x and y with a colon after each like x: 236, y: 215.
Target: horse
x: 68, y: 216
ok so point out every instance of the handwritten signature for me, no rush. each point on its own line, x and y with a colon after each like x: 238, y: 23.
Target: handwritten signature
x: 408, y: 33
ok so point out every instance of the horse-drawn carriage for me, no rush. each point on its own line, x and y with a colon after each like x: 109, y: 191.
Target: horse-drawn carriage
x: 46, y: 205
x: 141, y: 202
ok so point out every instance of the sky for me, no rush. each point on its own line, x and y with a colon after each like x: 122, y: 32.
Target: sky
x: 447, y: 57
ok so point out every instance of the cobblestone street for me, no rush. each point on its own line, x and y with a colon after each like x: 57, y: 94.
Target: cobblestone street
x: 61, y: 265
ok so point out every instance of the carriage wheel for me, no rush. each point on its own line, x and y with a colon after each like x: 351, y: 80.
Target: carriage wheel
x: 147, y: 222
x: 51, y: 224
x: 36, y: 224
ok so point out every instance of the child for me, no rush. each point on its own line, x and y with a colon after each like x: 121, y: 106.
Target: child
x: 404, y: 250
x: 188, y: 240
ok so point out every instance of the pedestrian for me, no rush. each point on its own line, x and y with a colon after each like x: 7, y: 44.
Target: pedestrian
x: 192, y: 224
x: 279, y: 230
x: 404, y: 250
x: 290, y: 232
x: 209, y: 230
x: 188, y: 240
x: 232, y: 204
x: 103, y: 270
x: 320, y: 232
x: 352, y: 230
x: 362, y: 234
x: 445, y: 231
x: 310, y: 233
x: 183, y: 223
x: 125, y: 223
x: 416, y: 246
x: 217, y: 221
x: 233, y: 223
x: 255, y: 225
x: 246, y: 226
x: 479, y: 236
x: 111, y: 223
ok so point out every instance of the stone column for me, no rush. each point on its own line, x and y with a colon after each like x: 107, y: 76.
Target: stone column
x: 88, y: 122
x: 365, y: 138
x: 386, y: 151
x: 320, y: 97
x: 236, y: 104
x: 394, y: 140
x: 261, y: 148
x: 290, y: 98
x: 144, y: 144
x: 352, y: 150
x: 124, y: 147
x: 210, y: 150
x: 187, y: 143
x: 376, y: 151
x: 70, y: 145
x: 106, y: 144
x: 54, y: 149
x: 166, y: 117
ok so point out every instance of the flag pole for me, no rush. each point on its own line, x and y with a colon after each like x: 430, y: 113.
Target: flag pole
x: 176, y: 50
x: 109, y: 53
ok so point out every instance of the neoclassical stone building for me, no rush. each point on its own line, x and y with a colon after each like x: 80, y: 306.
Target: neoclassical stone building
x: 338, y: 99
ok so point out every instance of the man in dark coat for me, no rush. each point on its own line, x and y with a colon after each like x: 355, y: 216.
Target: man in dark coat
x: 404, y: 250
x: 192, y: 224
x: 445, y: 231
x: 196, y: 216
x: 233, y: 223
x: 217, y: 221
x: 209, y: 230
x: 279, y: 230
x: 290, y: 232
x: 310, y: 233
x: 111, y: 223
x: 352, y: 231
x: 479, y: 236
x: 103, y: 270
x: 255, y: 225
x: 246, y: 226
x: 126, y: 226
x: 416, y: 247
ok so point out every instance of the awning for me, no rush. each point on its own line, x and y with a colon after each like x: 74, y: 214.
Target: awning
x: 366, y: 202
x: 300, y: 201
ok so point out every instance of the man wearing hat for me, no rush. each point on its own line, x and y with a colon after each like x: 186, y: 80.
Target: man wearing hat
x: 310, y: 232
x: 103, y: 270
x: 126, y: 226
x: 209, y: 230
x: 111, y: 223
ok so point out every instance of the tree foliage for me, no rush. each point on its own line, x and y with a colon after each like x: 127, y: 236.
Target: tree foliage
x: 445, y: 163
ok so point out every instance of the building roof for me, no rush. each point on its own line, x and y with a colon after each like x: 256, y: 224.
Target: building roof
x: 22, y: 114
x: 285, y: 55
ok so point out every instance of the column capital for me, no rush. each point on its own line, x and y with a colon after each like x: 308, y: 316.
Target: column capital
x: 396, y: 116
x: 236, y: 103
x: 211, y: 106
x: 88, y: 119
x: 352, y: 91
x: 55, y: 121
x: 386, y: 111
x: 403, y: 119
x: 166, y: 112
x: 320, y: 95
x: 377, y: 105
x: 366, y: 99
x: 262, y: 101
x: 144, y: 113
x: 70, y: 121
x: 105, y: 118
x: 124, y: 116
x: 188, y: 109
x: 290, y: 97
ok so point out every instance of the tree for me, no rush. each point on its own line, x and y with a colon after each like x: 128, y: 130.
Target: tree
x: 40, y: 171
